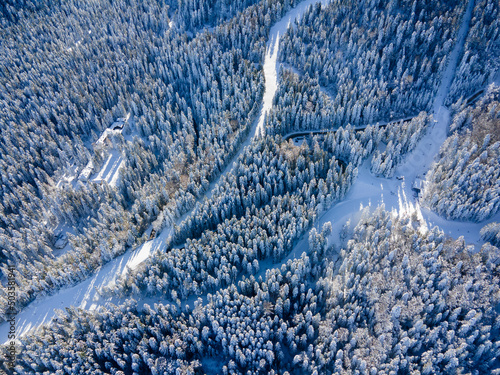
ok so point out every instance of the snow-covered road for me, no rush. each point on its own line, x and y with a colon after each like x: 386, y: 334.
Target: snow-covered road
x: 271, y: 64
x: 84, y: 294
x: 271, y: 68
x: 367, y: 190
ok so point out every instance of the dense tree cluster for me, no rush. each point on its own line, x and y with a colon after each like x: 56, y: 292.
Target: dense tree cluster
x: 70, y: 72
x: 194, y: 14
x: 491, y: 233
x: 257, y: 212
x: 400, y: 138
x: 465, y: 182
x: 409, y: 300
x: 379, y: 60
x: 396, y: 298
x: 481, y: 58
x: 404, y: 299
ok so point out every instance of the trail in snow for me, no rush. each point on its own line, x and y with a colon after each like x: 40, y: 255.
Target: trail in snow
x: 271, y: 64
x: 85, y: 293
x: 111, y: 168
x: 271, y: 69
x: 367, y: 190
x: 419, y: 161
x: 398, y: 195
x: 356, y: 128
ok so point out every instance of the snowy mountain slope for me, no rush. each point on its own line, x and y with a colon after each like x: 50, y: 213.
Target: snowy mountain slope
x: 42, y: 310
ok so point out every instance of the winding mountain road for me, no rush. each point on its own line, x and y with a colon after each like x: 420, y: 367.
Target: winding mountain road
x: 367, y: 190
x: 85, y: 294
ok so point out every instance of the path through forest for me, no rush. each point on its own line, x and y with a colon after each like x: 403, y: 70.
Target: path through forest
x: 371, y: 191
x: 367, y: 190
x: 85, y: 294
x: 397, y: 195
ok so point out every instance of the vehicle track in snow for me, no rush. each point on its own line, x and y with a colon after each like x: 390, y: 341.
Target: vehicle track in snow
x: 367, y: 190
x: 85, y: 294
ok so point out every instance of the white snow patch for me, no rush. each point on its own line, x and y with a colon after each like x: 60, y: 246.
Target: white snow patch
x: 470, y: 231
x: 271, y: 65
x: 86, y: 172
x: 366, y: 191
x: 111, y: 168
x: 68, y: 178
x: 85, y: 294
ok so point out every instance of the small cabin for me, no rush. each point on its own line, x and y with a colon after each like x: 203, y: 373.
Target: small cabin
x: 120, y: 123
x: 86, y: 172
x: 61, y: 241
x: 418, y: 185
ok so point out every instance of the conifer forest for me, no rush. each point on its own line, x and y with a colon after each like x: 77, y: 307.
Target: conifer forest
x: 250, y: 187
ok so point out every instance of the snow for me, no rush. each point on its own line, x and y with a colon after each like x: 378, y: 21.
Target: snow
x: 149, y: 247
x: 114, y: 162
x: 271, y: 65
x: 395, y: 194
x: 85, y: 294
x: 110, y: 168
x: 86, y: 172
x: 367, y: 190
x: 69, y: 176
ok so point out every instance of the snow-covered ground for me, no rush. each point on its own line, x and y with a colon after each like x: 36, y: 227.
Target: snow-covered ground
x: 397, y: 195
x: 368, y: 190
x: 111, y: 168
x: 271, y: 68
x: 85, y: 294
x: 68, y: 177
x: 115, y: 161
x: 271, y: 64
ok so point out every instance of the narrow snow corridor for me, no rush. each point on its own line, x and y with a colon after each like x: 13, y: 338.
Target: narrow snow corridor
x: 367, y: 190
x: 85, y: 294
